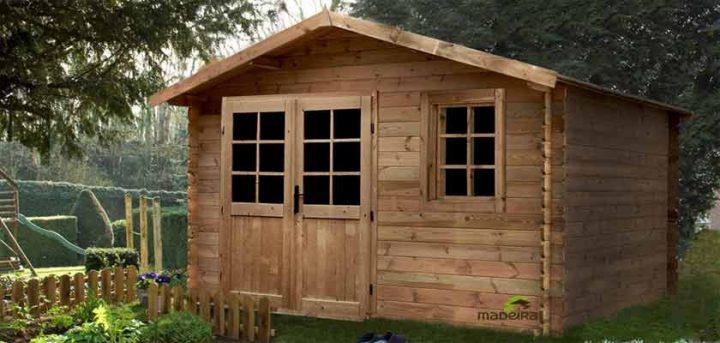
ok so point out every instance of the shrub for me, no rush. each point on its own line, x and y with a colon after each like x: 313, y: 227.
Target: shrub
x: 100, y: 258
x: 52, y: 253
x: 93, y: 223
x: 174, y: 235
x: 45, y: 198
x: 178, y: 327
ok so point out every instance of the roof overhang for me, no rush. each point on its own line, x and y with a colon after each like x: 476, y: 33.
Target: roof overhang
x: 244, y: 59
x: 537, y: 77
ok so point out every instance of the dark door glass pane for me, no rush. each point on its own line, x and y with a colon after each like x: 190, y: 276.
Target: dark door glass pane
x: 346, y: 190
x: 271, y: 190
x: 244, y: 157
x: 272, y: 157
x: 456, y: 120
x: 484, y: 182
x: 243, y: 188
x: 272, y: 125
x: 347, y: 123
x: 346, y: 157
x: 456, y: 151
x: 317, y: 124
x: 317, y: 157
x: 484, y: 152
x: 455, y: 182
x: 244, y: 126
x: 484, y: 119
x: 316, y: 190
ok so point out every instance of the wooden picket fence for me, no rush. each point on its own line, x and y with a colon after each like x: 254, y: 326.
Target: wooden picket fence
x: 36, y: 296
x: 233, y: 316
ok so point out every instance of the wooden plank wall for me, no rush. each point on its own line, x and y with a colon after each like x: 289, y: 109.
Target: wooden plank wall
x: 430, y: 265
x: 204, y: 198
x: 616, y: 205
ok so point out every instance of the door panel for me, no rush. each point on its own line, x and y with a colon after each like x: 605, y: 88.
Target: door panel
x: 333, y: 174
x: 257, y: 183
x: 297, y: 218
x: 257, y: 255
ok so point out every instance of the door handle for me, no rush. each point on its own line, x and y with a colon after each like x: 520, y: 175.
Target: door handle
x: 296, y: 200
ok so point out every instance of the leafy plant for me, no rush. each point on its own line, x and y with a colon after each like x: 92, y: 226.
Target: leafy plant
x: 110, y: 325
x: 85, y: 311
x: 178, y: 327
x: 49, y: 339
x: 59, y: 317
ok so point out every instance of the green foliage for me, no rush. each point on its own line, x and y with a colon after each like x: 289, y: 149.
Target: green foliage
x: 72, y: 71
x: 45, y: 252
x: 85, y: 311
x: 49, y: 339
x: 60, y: 317
x: 93, y: 223
x: 44, y: 198
x: 178, y: 327
x: 100, y: 258
x: 174, y: 235
x: 665, y: 50
x: 133, y: 164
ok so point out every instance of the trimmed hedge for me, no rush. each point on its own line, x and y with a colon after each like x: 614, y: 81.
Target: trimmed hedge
x: 101, y: 258
x: 93, y: 223
x: 46, y: 252
x: 45, y: 198
x: 174, y: 236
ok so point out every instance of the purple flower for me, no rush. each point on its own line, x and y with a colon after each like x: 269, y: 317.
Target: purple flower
x: 151, y: 275
x: 162, y: 279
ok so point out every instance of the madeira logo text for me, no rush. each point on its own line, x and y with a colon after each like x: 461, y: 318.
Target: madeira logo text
x: 516, y: 308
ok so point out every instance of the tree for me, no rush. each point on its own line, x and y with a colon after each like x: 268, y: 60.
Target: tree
x: 73, y: 69
x: 667, y: 50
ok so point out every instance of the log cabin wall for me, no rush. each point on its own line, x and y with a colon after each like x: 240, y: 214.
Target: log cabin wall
x: 616, y: 204
x: 430, y: 265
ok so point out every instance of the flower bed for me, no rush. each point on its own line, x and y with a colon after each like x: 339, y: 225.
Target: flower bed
x: 96, y: 321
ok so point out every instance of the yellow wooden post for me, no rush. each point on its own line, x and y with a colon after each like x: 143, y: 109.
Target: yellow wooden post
x: 33, y: 296
x: 152, y: 301
x: 157, y: 234
x: 106, y: 283
x: 93, y: 283
x: 65, y: 290
x: 249, y: 318
x: 119, y: 285
x: 143, y: 235
x: 79, y: 285
x: 219, y: 313
x: 2, y: 303
x: 234, y: 317
x: 131, y: 283
x: 129, y: 225
x: 50, y: 290
x: 178, y: 295
x: 264, y: 332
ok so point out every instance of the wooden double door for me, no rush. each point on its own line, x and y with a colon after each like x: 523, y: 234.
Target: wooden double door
x: 297, y: 183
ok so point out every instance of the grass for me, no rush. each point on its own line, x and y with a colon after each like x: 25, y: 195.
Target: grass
x: 693, y: 314
x: 57, y: 271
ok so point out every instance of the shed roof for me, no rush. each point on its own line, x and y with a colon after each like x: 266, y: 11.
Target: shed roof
x: 253, y: 56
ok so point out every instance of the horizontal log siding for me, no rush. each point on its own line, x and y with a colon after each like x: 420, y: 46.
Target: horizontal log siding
x: 204, y: 199
x: 443, y: 265
x: 616, y: 205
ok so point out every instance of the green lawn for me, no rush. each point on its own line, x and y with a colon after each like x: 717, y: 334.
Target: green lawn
x: 57, y: 271
x: 693, y: 314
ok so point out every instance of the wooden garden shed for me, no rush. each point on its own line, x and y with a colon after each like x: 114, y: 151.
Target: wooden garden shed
x: 348, y: 169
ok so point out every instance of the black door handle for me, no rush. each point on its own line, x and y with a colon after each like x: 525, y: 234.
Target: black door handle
x: 296, y: 200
